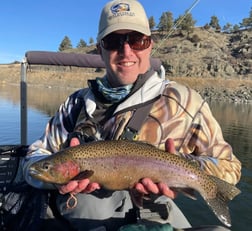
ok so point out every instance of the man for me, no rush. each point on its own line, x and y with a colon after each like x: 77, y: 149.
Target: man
x: 178, y: 121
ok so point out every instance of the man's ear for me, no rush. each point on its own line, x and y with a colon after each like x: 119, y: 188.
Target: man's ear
x: 99, y: 49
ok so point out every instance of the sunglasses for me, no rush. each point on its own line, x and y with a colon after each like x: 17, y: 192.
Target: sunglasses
x: 136, y: 41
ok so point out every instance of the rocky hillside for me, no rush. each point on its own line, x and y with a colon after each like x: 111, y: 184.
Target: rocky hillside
x: 206, y: 53
x: 217, y: 65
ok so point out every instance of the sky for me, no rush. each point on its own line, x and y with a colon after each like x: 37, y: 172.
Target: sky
x: 42, y: 25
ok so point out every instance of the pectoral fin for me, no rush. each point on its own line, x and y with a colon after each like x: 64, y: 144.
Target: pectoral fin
x: 84, y: 175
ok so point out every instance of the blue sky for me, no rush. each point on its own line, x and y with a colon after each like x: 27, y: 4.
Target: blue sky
x: 41, y: 25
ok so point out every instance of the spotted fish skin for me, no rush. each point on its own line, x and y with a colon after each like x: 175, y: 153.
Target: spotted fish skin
x: 118, y: 165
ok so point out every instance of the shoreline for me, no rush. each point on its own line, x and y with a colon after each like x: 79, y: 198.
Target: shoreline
x: 211, y: 89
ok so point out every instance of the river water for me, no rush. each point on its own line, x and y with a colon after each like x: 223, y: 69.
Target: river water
x: 235, y: 120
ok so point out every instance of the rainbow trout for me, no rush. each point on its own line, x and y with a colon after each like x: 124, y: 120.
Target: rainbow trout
x: 118, y: 165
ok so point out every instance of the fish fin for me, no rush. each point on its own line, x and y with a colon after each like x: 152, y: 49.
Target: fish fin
x: 188, y: 192
x: 219, y: 204
x: 228, y: 191
x: 83, y: 175
x: 220, y: 208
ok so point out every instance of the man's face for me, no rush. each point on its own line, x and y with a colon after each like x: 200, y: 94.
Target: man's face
x: 124, y: 64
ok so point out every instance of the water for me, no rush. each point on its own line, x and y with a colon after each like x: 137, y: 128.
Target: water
x: 42, y: 103
x: 235, y: 120
x: 236, y: 123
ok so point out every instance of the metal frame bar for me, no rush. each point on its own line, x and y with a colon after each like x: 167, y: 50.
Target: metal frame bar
x: 23, y: 102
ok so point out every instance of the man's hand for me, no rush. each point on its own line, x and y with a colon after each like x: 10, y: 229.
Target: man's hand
x: 77, y: 186
x: 146, y: 185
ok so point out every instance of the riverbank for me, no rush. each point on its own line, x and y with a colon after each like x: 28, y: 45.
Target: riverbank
x: 212, y: 89
x: 219, y: 89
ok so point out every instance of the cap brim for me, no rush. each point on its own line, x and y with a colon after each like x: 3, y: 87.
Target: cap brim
x: 123, y: 26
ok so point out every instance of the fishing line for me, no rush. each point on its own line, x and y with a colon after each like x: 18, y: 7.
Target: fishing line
x: 71, y: 201
x: 175, y: 26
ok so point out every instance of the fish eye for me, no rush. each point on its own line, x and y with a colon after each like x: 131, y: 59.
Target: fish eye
x: 46, y: 166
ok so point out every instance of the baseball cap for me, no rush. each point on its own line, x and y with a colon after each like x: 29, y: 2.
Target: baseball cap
x: 123, y: 15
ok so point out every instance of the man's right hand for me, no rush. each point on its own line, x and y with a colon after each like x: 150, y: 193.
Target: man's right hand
x: 78, y: 186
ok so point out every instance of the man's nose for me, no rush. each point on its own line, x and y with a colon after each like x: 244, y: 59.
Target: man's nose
x: 125, y: 49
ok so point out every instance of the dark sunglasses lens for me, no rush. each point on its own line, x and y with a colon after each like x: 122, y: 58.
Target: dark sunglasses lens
x: 141, y: 42
x: 112, y: 42
x: 136, y: 41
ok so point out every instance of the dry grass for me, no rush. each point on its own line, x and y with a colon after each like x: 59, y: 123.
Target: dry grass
x: 77, y: 78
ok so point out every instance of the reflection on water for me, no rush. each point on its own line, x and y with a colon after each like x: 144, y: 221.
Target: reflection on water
x: 236, y: 123
x: 235, y: 120
x: 9, y: 122
x: 43, y: 99
x: 42, y: 103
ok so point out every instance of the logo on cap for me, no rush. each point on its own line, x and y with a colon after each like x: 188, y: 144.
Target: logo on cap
x: 120, y: 7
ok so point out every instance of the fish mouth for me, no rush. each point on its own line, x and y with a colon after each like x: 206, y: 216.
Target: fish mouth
x: 36, y: 174
x: 33, y: 172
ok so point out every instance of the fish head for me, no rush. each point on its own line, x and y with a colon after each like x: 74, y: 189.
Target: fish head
x: 54, y: 171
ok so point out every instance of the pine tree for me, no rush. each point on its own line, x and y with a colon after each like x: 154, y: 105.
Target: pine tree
x: 65, y: 44
x: 165, y: 21
x: 247, y: 22
x: 227, y: 27
x: 214, y: 23
x: 185, y: 23
x: 91, y: 41
x: 235, y: 28
x: 81, y: 44
x: 152, y: 23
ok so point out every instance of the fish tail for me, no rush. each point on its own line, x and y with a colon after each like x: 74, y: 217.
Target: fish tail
x: 228, y: 191
x: 219, y: 204
x: 220, y: 209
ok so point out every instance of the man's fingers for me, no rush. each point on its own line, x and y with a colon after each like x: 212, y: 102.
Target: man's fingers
x: 63, y: 189
x: 82, y: 186
x: 140, y: 188
x: 91, y: 187
x: 165, y: 190
x: 74, y: 142
x: 169, y: 146
x: 150, y: 186
x: 147, y: 186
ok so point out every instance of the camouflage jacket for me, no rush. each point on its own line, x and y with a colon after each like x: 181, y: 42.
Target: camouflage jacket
x: 177, y: 112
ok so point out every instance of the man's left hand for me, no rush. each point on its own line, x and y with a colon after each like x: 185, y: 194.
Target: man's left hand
x: 147, y: 186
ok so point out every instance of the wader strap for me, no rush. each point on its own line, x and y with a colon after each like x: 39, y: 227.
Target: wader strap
x: 136, y: 122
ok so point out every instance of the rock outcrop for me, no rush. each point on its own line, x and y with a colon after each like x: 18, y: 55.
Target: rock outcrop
x: 206, y: 53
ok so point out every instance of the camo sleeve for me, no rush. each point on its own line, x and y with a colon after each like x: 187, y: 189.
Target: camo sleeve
x: 182, y: 114
x: 203, y: 139
x: 55, y: 134
x: 208, y: 147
